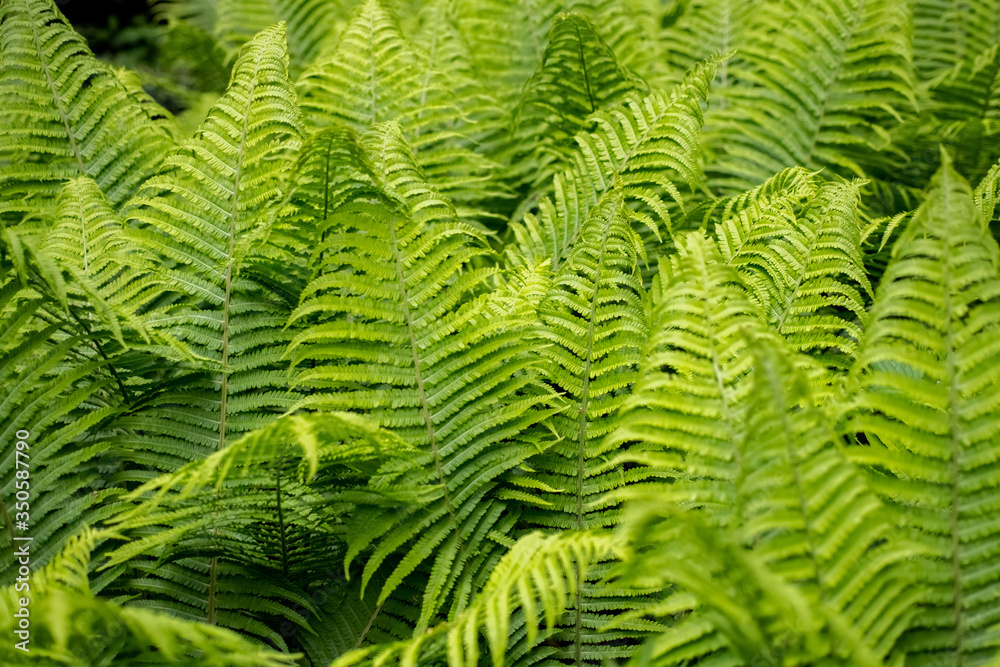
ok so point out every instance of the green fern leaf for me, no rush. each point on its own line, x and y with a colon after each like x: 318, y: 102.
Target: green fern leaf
x: 927, y: 403
x: 65, y: 115
x: 423, y: 358
x: 650, y: 143
x: 818, y: 107
x: 209, y: 195
x: 83, y: 629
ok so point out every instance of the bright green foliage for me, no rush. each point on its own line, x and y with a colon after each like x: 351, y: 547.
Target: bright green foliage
x: 820, y: 111
x: 577, y: 76
x: 928, y: 404
x: 649, y: 144
x: 789, y: 559
x: 64, y: 115
x: 81, y: 629
x: 437, y: 368
x: 504, y: 332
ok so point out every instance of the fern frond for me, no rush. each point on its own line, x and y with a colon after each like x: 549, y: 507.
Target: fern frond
x: 693, y: 377
x: 372, y: 76
x: 425, y: 359
x: 64, y: 115
x: 308, y: 22
x: 808, y: 565
x: 278, y: 497
x: 208, y: 196
x: 594, y: 318
x: 817, y: 106
x: 949, y: 35
x: 927, y: 402
x: 707, y: 27
x: 577, y: 76
x: 538, y: 571
x: 377, y: 75
x: 91, y: 242
x: 51, y: 476
x: 80, y: 628
x: 800, y: 249
x: 650, y: 143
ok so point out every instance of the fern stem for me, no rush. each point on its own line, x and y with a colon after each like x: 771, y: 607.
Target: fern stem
x: 582, y: 434
x: 954, y: 466
x: 583, y: 64
x: 57, y: 99
x: 224, y: 379
x: 415, y: 355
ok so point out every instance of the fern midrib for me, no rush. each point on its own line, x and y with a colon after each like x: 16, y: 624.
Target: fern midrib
x: 415, y: 356
x: 56, y: 97
x: 617, y: 172
x: 954, y: 465
x: 794, y: 462
x: 224, y: 380
x: 794, y: 292
x: 719, y: 377
x: 583, y: 66
x: 582, y: 436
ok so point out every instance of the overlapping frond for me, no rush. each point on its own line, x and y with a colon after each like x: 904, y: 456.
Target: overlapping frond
x: 821, y: 105
x: 651, y: 144
x: 807, y: 563
x: 397, y: 325
x: 594, y: 318
x: 686, y: 402
x: 209, y: 195
x: 927, y: 403
x: 80, y: 628
x: 707, y: 27
x: 577, y: 76
x: 371, y: 77
x: 278, y: 500
x: 798, y: 243
x: 948, y: 35
x: 309, y: 25
x: 539, y: 571
x: 378, y: 75
x: 54, y: 406
x: 92, y: 243
x: 65, y: 114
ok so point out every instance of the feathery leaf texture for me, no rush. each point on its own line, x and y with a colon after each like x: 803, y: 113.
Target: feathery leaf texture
x: 398, y: 316
x: 65, y: 115
x: 649, y: 143
x: 927, y: 402
x: 510, y: 332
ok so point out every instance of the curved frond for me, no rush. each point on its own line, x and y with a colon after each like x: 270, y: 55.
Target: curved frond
x: 803, y: 257
x: 927, y: 402
x: 577, y: 76
x: 822, y: 105
x: 81, y: 629
x: 209, y: 195
x: 423, y: 358
x: 650, y: 143
x: 65, y: 114
x: 806, y: 564
x: 309, y: 24
x: 55, y: 404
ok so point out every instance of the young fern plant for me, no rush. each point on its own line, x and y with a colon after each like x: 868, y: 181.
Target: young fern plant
x: 427, y: 359
x: 525, y: 332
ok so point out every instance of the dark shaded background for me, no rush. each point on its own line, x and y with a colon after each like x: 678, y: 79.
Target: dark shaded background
x: 112, y: 26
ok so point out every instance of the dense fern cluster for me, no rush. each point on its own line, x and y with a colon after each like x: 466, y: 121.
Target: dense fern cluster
x: 506, y: 332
